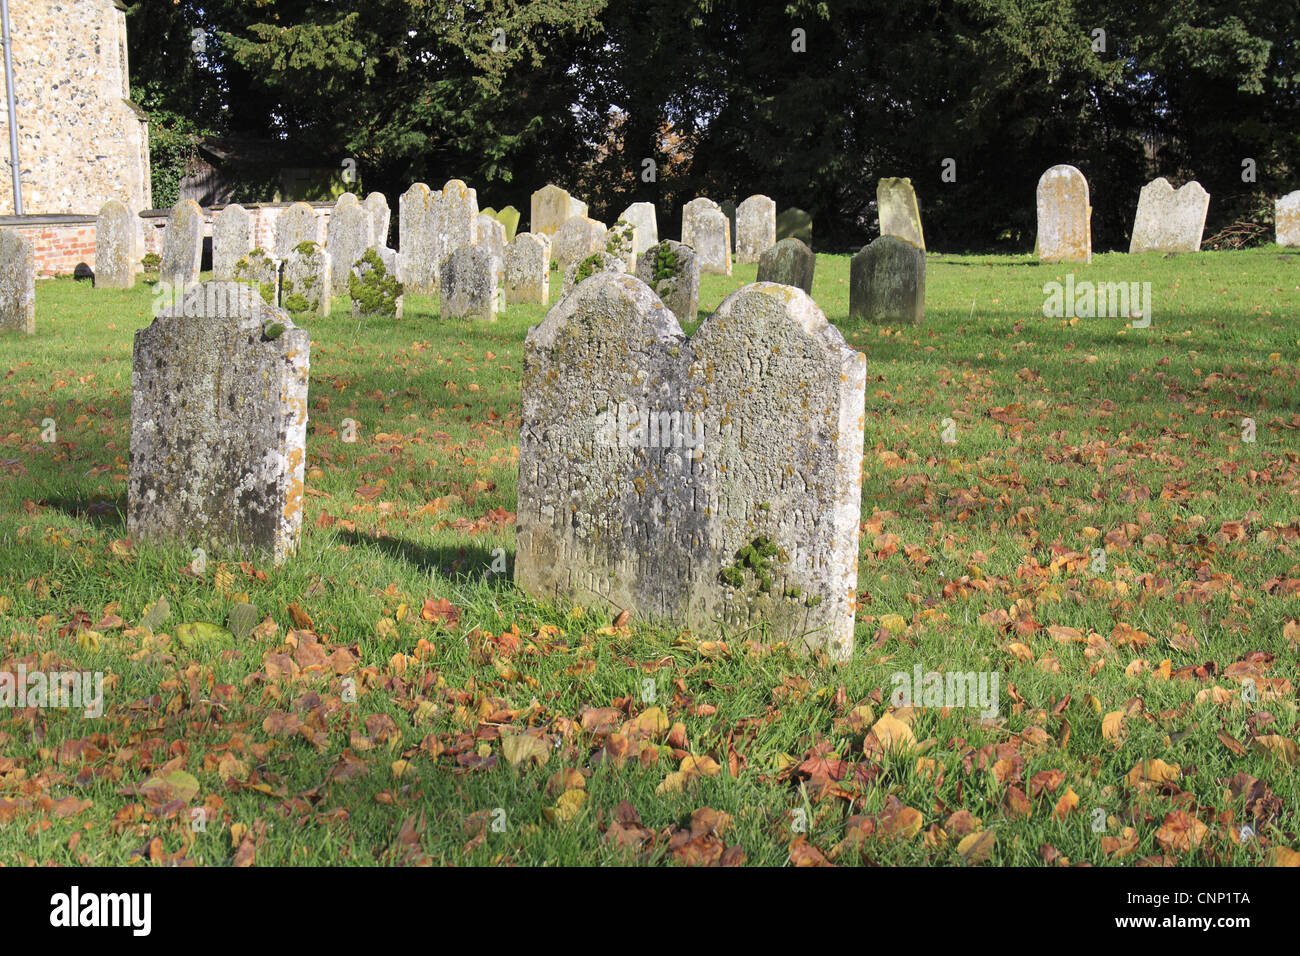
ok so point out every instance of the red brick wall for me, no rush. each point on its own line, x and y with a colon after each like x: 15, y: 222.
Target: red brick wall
x: 61, y: 248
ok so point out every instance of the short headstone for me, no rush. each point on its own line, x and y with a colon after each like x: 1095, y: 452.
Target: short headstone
x: 795, y: 224
x: 1169, y: 220
x: 672, y: 271
x: 549, y: 210
x: 577, y: 238
x: 380, y: 215
x: 1064, y: 216
x: 468, y: 284
x: 527, y: 269
x: 222, y: 469
x: 789, y: 262
x: 887, y: 283
x: 417, y: 212
x: 182, y: 253
x: 17, y: 283
x: 373, y: 286
x: 755, y: 228
x: 293, y: 227
x: 900, y: 215
x: 642, y: 215
x: 305, y: 280
x: 232, y: 239
x: 491, y: 233
x: 1286, y: 219
x: 259, y: 270
x: 712, y: 483
x: 583, y: 269
x: 347, y: 238
x: 691, y: 213
x: 114, y: 246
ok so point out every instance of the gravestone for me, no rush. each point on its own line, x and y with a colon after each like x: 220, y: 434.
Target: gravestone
x: 373, y: 286
x: 577, y: 238
x: 508, y: 217
x: 182, y: 252
x: 347, y: 238
x: 1286, y: 219
x: 468, y: 284
x: 305, y: 280
x: 417, y: 222
x: 713, y: 482
x: 1169, y: 220
x: 549, y: 210
x: 232, y: 239
x: 691, y: 213
x: 260, y: 271
x: 293, y: 227
x: 1064, y: 216
x: 755, y: 228
x: 887, y: 283
x: 457, y: 212
x: 794, y: 224
x: 114, y: 246
x: 642, y: 215
x: 17, y: 283
x: 622, y: 240
x: 222, y: 468
x: 712, y: 241
x: 729, y: 210
x: 527, y: 269
x: 582, y: 269
x: 672, y: 271
x: 789, y: 262
x: 380, y: 215
x: 899, y: 213
x: 577, y: 208
x: 491, y: 233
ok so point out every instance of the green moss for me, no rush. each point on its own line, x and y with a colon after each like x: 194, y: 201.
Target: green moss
x: 756, y: 559
x: 152, y: 262
x: 666, y: 264
x: 588, y: 267
x: 306, y: 248
x: 297, y: 304
x: 375, y: 292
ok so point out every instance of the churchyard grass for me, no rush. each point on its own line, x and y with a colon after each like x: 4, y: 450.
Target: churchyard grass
x: 977, y: 555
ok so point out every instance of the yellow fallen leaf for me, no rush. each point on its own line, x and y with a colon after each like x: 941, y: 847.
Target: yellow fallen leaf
x: 1068, y: 803
x: 1112, y: 727
x: 568, y: 806
x: 975, y: 848
x: 893, y: 734
x: 1152, y: 772
x: 524, y: 748
x: 1281, y: 747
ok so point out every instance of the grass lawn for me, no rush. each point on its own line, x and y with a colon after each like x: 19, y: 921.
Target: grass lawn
x: 402, y: 703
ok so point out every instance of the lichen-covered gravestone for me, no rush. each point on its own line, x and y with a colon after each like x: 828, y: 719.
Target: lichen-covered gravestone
x: 348, y: 237
x: 232, y: 240
x: 583, y: 269
x: 17, y: 283
x: 457, y: 212
x: 114, y: 246
x: 1286, y: 219
x: 1168, y: 219
x: 219, y: 424
x: 377, y: 208
x: 691, y: 213
x: 468, y: 284
x: 755, y: 228
x: 293, y: 227
x: 549, y: 210
x: 259, y: 270
x: 900, y: 215
x: 711, y: 240
x: 182, y: 253
x: 642, y: 216
x: 373, y: 285
x: 305, y: 280
x: 712, y: 482
x: 527, y: 269
x: 794, y: 224
x: 887, y: 282
x: 789, y: 262
x: 491, y: 233
x: 622, y: 240
x: 578, y: 238
x: 1064, y: 216
x: 673, y: 272
x: 417, y: 212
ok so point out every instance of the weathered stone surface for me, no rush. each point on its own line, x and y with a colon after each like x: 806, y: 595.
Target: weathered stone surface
x: 672, y: 271
x: 491, y: 233
x: 642, y: 216
x: 293, y: 227
x: 582, y: 269
x: 577, y: 238
x: 528, y: 269
x: 1064, y: 216
x: 232, y: 239
x: 305, y: 280
x: 691, y: 213
x: 729, y: 210
x: 711, y: 240
x: 115, y: 242
x: 577, y: 208
x: 348, y: 237
x: 380, y: 216
x: 1169, y: 220
x: 711, y: 482
x: 373, y: 286
x: 622, y: 240
x: 550, y: 209
x: 900, y: 215
x: 468, y: 284
x: 789, y: 262
x: 887, y: 282
x: 1286, y: 219
x: 755, y: 228
x: 219, y: 424
x: 417, y: 212
x: 457, y: 212
x: 17, y: 283
x: 795, y: 224
x: 262, y: 272
x: 182, y: 253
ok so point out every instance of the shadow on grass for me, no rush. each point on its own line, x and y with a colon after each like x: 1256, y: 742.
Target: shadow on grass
x: 104, y: 513
x: 467, y: 563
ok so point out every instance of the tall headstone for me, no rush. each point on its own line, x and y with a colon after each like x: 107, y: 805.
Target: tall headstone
x: 262, y: 272
x: 755, y: 228
x: 577, y: 238
x: 491, y: 233
x: 348, y: 237
x: 528, y: 269
x: 468, y: 284
x: 712, y: 482
x: 642, y: 215
x: 691, y: 213
x: 232, y: 239
x: 305, y: 280
x: 887, y: 283
x: 417, y: 212
x: 711, y: 240
x: 17, y: 283
x: 115, y: 246
x: 795, y: 224
x: 1286, y: 219
x: 294, y: 226
x: 789, y: 262
x: 182, y: 253
x: 577, y: 208
x: 1064, y: 216
x: 222, y: 469
x: 672, y: 271
x: 377, y: 208
x: 1168, y: 219
x: 549, y: 210
x: 457, y: 212
x: 899, y: 213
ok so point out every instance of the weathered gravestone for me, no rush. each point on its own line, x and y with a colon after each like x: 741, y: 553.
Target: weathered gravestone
x: 305, y: 280
x: 508, y: 217
x: 550, y: 208
x: 622, y: 240
x: 457, y: 212
x: 1286, y: 219
x: 373, y: 286
x: 420, y: 240
x: 582, y: 269
x: 348, y: 236
x: 755, y: 228
x: 1064, y: 216
x: 729, y: 210
x: 795, y: 224
x: 17, y: 283
x: 672, y: 270
x: 219, y: 424
x: 900, y: 215
x: 711, y: 240
x: 789, y: 262
x: 380, y: 216
x: 260, y: 271
x: 642, y: 216
x: 712, y: 482
x: 468, y: 284
x: 577, y: 208
x: 491, y: 233
x: 577, y: 238
x: 528, y: 269
x: 182, y: 253
x: 1169, y: 220
x: 232, y: 239
x: 114, y: 246
x: 691, y: 213
x: 293, y: 227
x: 887, y: 282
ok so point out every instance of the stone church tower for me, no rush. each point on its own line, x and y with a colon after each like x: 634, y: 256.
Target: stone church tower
x: 81, y: 141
